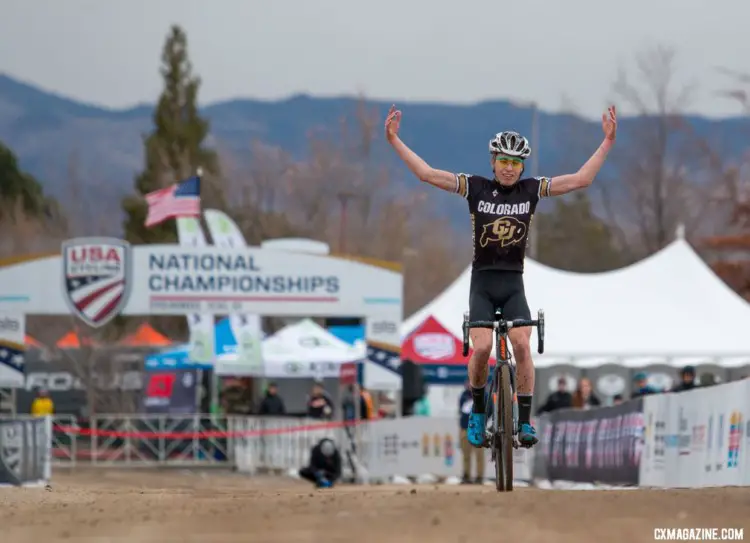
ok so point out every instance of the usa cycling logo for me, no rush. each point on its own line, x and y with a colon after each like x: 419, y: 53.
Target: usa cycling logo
x: 97, y: 277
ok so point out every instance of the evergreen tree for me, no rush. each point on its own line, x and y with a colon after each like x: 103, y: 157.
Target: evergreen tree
x: 19, y: 189
x: 573, y: 238
x: 174, y: 150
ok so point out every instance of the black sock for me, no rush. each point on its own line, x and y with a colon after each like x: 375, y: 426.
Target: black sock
x: 524, y: 408
x: 477, y: 394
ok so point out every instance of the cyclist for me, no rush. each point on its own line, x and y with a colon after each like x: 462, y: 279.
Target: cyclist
x: 501, y: 210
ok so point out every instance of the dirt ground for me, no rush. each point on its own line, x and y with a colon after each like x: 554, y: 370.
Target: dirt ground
x: 108, y: 506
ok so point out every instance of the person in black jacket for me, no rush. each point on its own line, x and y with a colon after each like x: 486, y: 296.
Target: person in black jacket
x: 688, y: 379
x: 319, y: 403
x: 272, y: 403
x: 325, y: 464
x: 560, y: 399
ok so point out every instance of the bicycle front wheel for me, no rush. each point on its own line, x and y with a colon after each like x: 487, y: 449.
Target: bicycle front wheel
x: 504, y: 437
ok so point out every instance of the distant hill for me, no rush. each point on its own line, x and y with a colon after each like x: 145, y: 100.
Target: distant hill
x: 45, y: 130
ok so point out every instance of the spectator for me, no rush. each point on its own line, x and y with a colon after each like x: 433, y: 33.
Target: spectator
x: 584, y: 397
x: 324, y: 468
x: 468, y: 451
x: 348, y: 405
x: 319, y: 404
x: 422, y: 406
x: 369, y: 412
x: 42, y: 404
x: 642, y: 388
x: 272, y: 403
x: 617, y: 400
x: 560, y: 399
x: 688, y: 379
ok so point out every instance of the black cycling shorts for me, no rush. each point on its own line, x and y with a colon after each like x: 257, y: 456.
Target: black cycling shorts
x: 497, y: 289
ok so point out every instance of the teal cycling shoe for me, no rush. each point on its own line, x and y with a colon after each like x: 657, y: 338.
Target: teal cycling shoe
x: 527, y: 435
x: 475, y: 431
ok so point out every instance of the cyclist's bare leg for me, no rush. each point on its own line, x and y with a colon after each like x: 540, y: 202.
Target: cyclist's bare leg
x: 481, y: 339
x: 479, y: 368
x: 520, y: 340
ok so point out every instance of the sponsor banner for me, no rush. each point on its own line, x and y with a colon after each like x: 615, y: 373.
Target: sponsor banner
x: 593, y: 445
x: 383, y: 333
x: 70, y: 377
x: 383, y: 355
x: 174, y: 280
x: 414, y: 446
x: 698, y: 438
x: 539, y: 461
x: 190, y: 234
x: 172, y: 392
x: 246, y: 327
x: 248, y: 331
x: 12, y: 349
x: 202, y: 338
x: 25, y: 451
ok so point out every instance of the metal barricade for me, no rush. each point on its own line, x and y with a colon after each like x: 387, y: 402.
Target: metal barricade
x: 64, y: 440
x: 269, y: 444
x: 251, y: 444
x: 144, y: 440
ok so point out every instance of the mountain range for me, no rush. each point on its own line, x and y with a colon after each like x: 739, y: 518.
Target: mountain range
x: 45, y: 130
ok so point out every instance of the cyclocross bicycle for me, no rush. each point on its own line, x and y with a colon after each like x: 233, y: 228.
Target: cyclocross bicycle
x: 502, y: 404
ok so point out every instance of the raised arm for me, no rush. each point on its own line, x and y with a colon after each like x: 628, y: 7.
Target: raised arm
x: 439, y: 178
x: 563, y: 184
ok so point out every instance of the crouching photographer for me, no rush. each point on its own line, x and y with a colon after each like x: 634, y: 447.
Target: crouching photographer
x: 325, y: 464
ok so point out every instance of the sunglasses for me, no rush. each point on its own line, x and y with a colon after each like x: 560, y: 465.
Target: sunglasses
x: 515, y: 163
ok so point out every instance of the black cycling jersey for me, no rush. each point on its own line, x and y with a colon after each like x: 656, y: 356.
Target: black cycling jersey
x: 500, y: 218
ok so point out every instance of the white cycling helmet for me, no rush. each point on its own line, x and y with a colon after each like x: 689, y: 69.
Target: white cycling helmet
x: 511, y: 144
x: 327, y: 448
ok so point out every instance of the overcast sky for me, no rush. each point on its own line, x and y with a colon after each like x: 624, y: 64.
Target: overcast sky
x: 554, y: 51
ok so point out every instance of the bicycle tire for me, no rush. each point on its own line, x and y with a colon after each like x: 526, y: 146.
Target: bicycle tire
x: 504, y: 440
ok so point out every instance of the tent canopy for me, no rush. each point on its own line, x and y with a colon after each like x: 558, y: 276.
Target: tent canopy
x: 309, y: 342
x: 670, y: 304
x: 72, y: 341
x: 303, y: 349
x: 432, y: 343
x: 146, y: 336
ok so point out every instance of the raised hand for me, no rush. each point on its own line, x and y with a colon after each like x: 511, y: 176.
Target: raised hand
x: 609, y: 123
x: 392, y: 123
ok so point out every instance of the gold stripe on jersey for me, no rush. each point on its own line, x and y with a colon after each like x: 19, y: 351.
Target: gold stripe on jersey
x: 473, y: 237
x: 544, y: 186
x: 462, y: 184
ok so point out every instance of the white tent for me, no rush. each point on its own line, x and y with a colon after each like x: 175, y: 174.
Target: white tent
x: 668, y: 308
x: 302, y: 350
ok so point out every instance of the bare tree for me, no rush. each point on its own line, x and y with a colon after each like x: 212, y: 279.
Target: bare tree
x: 95, y: 366
x: 343, y: 195
x: 656, y: 190
x: 729, y: 246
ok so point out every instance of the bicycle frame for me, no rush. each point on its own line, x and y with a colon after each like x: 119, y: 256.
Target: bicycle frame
x: 502, y: 404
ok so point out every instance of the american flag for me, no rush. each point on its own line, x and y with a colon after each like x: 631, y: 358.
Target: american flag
x: 183, y: 200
